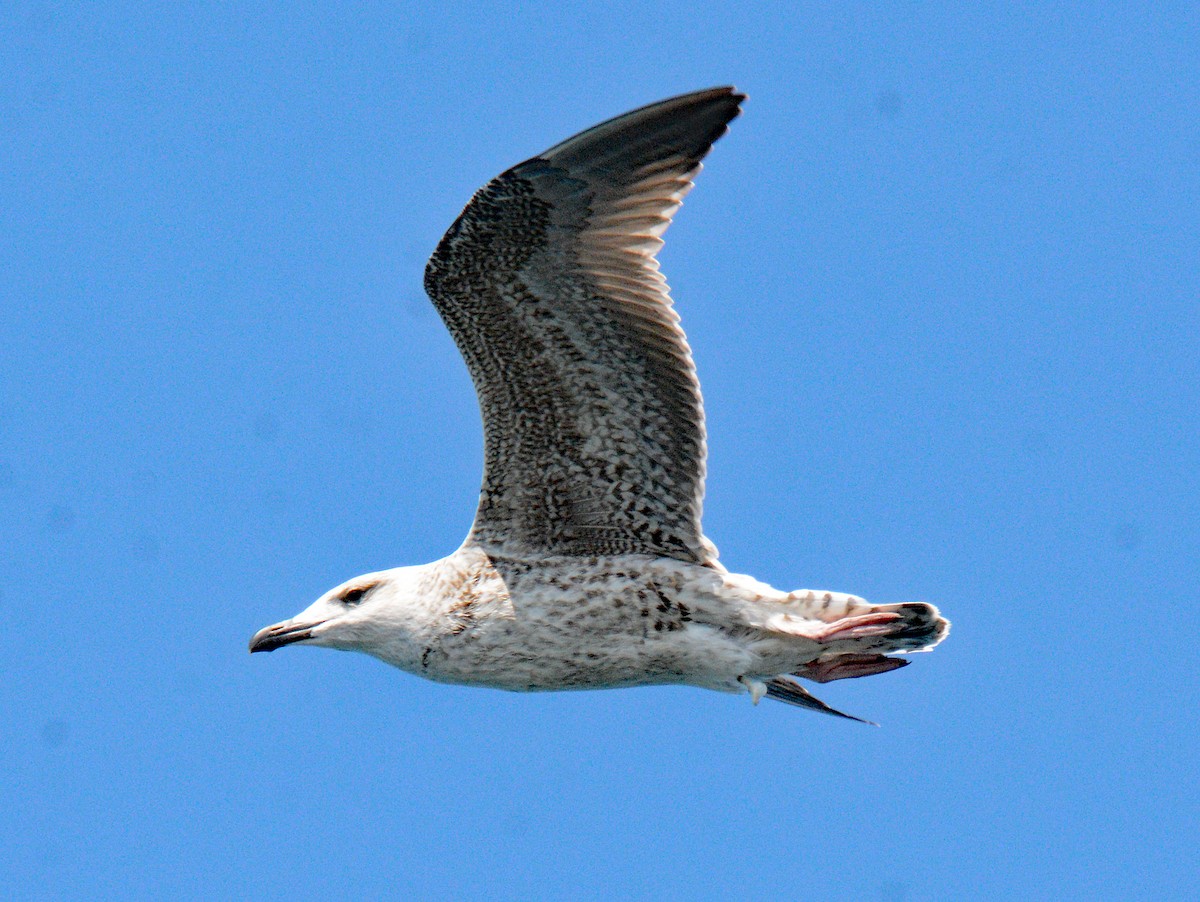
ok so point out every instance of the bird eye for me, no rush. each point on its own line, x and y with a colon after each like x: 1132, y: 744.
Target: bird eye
x: 355, y: 594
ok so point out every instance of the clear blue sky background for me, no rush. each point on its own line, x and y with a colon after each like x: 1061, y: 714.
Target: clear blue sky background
x: 941, y: 279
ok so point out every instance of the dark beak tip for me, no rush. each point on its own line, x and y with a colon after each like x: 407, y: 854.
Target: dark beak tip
x: 281, y: 634
x: 261, y: 641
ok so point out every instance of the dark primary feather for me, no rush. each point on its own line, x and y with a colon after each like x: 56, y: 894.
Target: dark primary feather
x: 784, y: 690
x: 593, y: 425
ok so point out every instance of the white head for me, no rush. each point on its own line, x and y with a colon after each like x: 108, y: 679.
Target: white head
x: 378, y: 613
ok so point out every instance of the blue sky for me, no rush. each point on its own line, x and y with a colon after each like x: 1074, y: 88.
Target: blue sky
x: 941, y: 280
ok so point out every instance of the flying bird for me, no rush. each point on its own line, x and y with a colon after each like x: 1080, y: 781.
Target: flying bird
x: 586, y: 566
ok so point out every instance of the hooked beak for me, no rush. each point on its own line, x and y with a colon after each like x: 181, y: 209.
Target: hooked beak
x: 270, y: 638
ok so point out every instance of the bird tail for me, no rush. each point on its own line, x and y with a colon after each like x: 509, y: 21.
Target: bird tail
x: 852, y: 639
x: 848, y: 625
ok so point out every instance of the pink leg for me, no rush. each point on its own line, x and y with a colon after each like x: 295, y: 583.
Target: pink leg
x: 845, y: 667
x: 859, y: 627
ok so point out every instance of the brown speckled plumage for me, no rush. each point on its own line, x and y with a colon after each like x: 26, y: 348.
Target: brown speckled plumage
x: 586, y: 566
x: 593, y: 426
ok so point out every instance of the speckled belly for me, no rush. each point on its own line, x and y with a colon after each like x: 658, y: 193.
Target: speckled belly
x: 589, y: 627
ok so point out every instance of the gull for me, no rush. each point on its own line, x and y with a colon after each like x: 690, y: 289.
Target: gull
x: 586, y: 566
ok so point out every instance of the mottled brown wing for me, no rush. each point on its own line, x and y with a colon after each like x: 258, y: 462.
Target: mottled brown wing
x: 593, y: 424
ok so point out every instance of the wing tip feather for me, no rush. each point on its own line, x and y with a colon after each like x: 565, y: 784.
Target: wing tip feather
x: 691, y: 122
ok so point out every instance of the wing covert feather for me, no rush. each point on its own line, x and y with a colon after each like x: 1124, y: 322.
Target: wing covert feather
x: 594, y: 438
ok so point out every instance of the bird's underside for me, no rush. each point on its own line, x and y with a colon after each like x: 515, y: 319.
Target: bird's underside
x: 586, y: 565
x: 565, y: 623
x: 614, y: 621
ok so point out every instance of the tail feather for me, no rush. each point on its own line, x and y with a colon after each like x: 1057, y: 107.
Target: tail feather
x: 826, y: 636
x: 846, y: 624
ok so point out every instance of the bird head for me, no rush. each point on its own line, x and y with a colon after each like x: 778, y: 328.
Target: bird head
x: 357, y: 615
